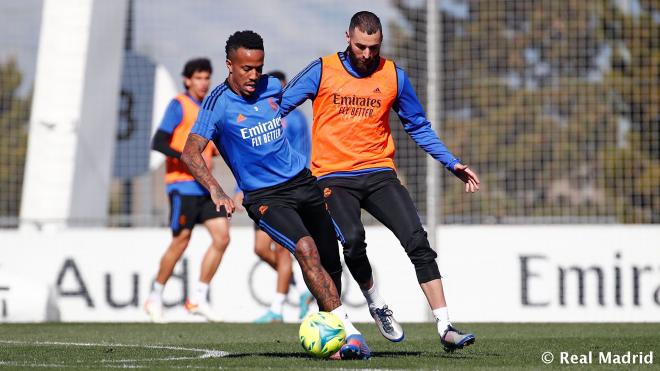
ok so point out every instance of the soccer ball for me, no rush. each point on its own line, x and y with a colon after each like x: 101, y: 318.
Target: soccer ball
x: 322, y: 334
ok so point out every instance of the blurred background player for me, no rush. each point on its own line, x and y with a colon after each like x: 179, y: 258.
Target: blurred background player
x: 297, y: 133
x: 353, y: 158
x: 242, y: 116
x: 190, y: 202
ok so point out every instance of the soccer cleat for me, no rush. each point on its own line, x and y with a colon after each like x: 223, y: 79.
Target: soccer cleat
x: 355, y: 348
x: 453, y: 339
x: 387, y: 325
x: 306, y: 299
x: 270, y: 317
x: 203, y: 310
x: 155, y: 311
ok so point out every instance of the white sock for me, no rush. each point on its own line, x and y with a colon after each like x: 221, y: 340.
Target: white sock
x: 278, y: 303
x: 348, y: 326
x: 156, y: 293
x: 299, y: 282
x: 300, y: 287
x: 442, y: 319
x: 373, y: 297
x: 200, y: 292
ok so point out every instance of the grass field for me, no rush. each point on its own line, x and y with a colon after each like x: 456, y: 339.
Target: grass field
x: 247, y: 346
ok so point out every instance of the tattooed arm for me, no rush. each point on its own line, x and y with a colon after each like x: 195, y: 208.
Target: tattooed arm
x: 192, y: 157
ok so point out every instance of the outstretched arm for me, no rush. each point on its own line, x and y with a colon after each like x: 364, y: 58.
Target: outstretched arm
x: 415, y: 123
x: 305, y: 85
x: 192, y: 157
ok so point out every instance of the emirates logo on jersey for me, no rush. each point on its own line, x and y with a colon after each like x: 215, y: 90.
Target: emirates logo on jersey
x: 356, y: 106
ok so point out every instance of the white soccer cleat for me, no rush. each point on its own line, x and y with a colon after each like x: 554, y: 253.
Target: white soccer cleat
x: 155, y: 311
x: 452, y: 339
x: 387, y: 325
x: 202, y: 309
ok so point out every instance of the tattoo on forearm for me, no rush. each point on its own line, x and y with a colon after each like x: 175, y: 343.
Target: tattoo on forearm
x: 192, y: 156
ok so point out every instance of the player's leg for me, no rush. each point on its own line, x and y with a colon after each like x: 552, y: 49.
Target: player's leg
x: 172, y: 255
x: 181, y: 232
x: 217, y: 224
x: 343, y: 205
x: 325, y: 234
x: 219, y: 230
x: 391, y: 204
x: 283, y: 268
x: 319, y: 224
x: 280, y: 260
x: 305, y: 298
x: 285, y: 226
x: 263, y: 247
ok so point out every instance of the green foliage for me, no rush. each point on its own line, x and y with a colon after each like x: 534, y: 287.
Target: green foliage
x: 14, y: 116
x: 531, y: 102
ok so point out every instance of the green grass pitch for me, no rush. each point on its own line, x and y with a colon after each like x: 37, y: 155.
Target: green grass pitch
x: 248, y: 346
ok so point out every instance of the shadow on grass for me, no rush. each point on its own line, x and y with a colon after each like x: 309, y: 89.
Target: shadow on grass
x: 303, y: 355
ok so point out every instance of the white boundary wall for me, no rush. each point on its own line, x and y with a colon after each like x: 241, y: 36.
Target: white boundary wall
x: 498, y: 274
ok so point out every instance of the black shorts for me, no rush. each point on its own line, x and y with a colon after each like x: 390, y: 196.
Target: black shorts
x: 292, y: 210
x: 186, y: 211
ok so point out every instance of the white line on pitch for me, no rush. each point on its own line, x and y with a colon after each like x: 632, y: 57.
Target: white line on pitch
x: 206, y: 353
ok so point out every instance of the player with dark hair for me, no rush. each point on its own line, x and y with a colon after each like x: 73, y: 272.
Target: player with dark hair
x: 242, y: 117
x: 353, y: 157
x: 190, y: 202
x: 296, y: 131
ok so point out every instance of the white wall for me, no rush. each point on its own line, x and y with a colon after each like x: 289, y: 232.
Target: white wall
x: 79, y: 275
x: 74, y: 112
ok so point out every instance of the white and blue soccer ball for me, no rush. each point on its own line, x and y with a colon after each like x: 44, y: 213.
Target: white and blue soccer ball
x: 322, y: 334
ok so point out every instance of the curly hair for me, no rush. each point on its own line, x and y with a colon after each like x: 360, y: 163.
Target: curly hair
x: 196, y: 65
x: 244, y: 39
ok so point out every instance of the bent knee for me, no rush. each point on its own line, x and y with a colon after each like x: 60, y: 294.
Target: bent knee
x: 418, y: 248
x: 220, y: 242
x: 261, y: 250
x: 306, y: 247
x: 183, y: 237
x: 354, y: 246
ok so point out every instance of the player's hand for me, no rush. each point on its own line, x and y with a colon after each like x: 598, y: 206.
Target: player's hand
x: 238, y: 201
x: 221, y: 199
x: 469, y: 177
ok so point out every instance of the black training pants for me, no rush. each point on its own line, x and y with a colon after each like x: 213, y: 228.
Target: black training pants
x: 383, y: 196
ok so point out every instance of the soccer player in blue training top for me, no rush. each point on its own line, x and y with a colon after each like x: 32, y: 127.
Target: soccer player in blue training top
x: 242, y: 117
x: 297, y: 132
x: 353, y: 157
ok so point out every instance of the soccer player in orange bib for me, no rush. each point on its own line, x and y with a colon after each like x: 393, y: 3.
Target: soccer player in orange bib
x: 353, y: 158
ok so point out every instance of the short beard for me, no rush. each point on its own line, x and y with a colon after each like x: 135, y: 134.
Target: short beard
x: 355, y: 61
